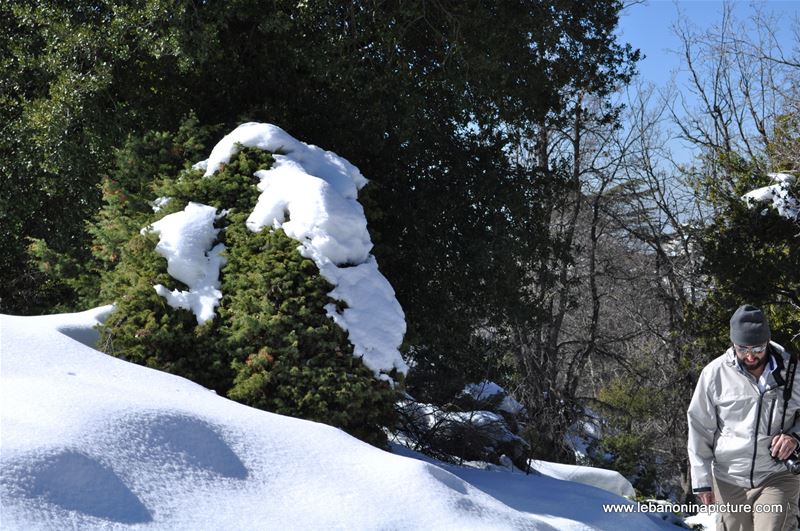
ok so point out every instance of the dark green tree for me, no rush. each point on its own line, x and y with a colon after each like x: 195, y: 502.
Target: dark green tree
x: 78, y: 78
x: 449, y: 107
x: 289, y: 356
x: 127, y: 194
x: 751, y: 255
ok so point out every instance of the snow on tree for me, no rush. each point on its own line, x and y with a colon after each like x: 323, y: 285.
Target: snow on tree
x: 254, y: 277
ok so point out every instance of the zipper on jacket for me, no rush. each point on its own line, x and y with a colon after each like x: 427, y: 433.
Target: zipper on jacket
x: 770, y: 416
x: 755, y: 440
x: 758, y: 415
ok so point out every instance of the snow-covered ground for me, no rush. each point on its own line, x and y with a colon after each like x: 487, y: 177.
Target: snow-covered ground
x: 89, y: 441
x: 609, y: 480
x: 486, y: 390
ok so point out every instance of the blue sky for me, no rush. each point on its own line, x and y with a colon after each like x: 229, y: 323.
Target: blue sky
x: 649, y: 27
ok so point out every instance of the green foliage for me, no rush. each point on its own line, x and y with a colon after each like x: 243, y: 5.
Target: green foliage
x: 78, y: 77
x: 290, y: 357
x: 427, y: 99
x: 626, y: 446
x: 129, y: 191
x: 751, y: 255
x: 127, y: 197
x: 272, y: 345
x: 143, y: 329
x: 61, y: 278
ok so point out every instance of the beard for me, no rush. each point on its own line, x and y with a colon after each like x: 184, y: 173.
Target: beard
x: 760, y: 362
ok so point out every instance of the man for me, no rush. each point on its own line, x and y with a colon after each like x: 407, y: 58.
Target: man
x: 741, y: 424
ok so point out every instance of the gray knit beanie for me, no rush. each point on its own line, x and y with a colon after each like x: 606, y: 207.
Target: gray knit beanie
x: 749, y: 326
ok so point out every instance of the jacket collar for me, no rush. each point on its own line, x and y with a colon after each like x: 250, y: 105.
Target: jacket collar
x: 775, y: 351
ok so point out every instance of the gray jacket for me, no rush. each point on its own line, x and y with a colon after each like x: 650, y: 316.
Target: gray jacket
x: 731, y: 422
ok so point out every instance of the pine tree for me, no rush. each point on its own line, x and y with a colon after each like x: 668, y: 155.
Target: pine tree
x: 128, y: 193
x: 289, y: 356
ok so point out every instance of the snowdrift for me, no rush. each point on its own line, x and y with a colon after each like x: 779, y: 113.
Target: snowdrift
x: 609, y: 480
x: 90, y: 441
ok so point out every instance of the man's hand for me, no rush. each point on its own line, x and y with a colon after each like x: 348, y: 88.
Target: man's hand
x: 705, y: 498
x: 783, y: 445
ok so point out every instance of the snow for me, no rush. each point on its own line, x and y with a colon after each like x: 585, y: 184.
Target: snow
x: 487, y: 389
x: 328, y: 222
x: 706, y: 520
x: 312, y: 195
x: 583, y: 433
x: 186, y: 242
x: 609, y: 480
x: 563, y: 504
x: 159, y: 203
x: 335, y: 170
x: 778, y: 194
x: 373, y: 318
x: 90, y: 441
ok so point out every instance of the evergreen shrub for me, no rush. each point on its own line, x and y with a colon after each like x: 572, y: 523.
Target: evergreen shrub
x: 271, y: 344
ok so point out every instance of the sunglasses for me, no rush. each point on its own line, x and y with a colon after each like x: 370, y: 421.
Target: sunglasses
x: 755, y: 350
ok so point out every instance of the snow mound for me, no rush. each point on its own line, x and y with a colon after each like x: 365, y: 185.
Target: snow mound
x: 609, y: 480
x: 566, y: 505
x: 90, y: 441
x: 78, y: 326
x: 79, y: 483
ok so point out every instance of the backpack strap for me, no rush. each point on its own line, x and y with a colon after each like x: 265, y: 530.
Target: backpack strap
x: 787, y: 390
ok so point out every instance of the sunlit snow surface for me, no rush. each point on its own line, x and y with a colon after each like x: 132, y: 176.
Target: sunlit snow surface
x: 187, y: 242
x: 93, y: 442
x: 609, y: 480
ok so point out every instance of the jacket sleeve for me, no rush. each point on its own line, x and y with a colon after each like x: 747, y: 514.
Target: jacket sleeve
x: 702, y: 428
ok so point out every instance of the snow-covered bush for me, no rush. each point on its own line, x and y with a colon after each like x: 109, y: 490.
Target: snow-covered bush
x: 781, y: 195
x: 290, y: 357
x: 480, y: 424
x: 202, y: 293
